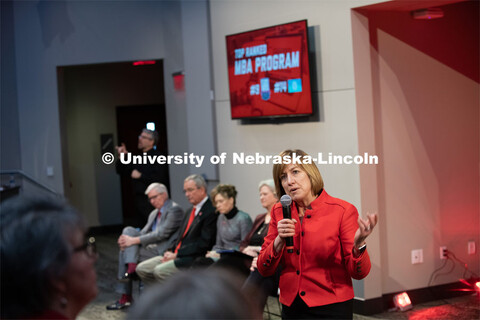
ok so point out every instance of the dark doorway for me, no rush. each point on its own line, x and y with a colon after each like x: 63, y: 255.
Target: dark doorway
x: 130, y: 122
x: 89, y: 96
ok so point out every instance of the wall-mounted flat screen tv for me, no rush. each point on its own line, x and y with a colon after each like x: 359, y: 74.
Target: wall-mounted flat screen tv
x: 269, y: 73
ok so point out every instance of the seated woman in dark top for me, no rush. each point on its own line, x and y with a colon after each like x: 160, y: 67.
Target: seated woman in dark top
x: 252, y: 244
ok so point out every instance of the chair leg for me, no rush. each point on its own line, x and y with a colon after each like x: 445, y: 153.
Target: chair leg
x: 141, y: 286
x: 268, y: 309
x: 279, y: 305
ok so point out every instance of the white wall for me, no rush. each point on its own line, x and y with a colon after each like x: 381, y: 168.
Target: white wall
x: 421, y: 116
x: 431, y: 182
x: 198, y: 84
x: 337, y: 130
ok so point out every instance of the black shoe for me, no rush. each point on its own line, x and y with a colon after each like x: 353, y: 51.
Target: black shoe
x: 129, y: 277
x: 118, y: 306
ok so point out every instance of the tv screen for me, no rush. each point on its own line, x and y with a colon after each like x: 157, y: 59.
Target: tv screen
x: 269, y: 73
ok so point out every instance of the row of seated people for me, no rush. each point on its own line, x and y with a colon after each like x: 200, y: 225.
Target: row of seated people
x: 48, y: 271
x: 173, y: 240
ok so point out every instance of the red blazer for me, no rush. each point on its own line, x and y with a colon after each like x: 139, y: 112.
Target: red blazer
x: 321, y: 268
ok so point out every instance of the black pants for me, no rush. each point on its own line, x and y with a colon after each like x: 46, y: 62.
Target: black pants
x: 261, y: 287
x: 300, y: 310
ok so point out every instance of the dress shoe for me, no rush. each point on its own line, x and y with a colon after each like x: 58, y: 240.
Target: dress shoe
x: 118, y: 305
x: 129, y: 277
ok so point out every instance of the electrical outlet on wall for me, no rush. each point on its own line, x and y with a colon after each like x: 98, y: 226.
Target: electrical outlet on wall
x: 443, y: 252
x: 471, y: 247
x: 417, y: 256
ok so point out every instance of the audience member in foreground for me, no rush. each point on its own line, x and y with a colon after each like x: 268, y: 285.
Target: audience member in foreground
x: 47, y: 265
x: 196, y: 294
x: 158, y: 235
x: 196, y: 236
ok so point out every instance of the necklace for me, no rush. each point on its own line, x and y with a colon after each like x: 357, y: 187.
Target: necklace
x: 260, y: 230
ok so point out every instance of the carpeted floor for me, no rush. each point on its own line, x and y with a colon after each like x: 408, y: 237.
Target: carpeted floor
x: 460, y: 308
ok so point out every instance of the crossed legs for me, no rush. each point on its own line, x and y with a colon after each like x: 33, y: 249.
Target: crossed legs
x: 154, y: 270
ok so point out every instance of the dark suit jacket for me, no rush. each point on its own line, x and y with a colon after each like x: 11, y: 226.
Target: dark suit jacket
x: 199, y: 238
x: 150, y: 173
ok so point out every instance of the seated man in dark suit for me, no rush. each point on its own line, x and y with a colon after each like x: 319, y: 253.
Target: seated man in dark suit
x: 197, y: 236
x: 160, y: 233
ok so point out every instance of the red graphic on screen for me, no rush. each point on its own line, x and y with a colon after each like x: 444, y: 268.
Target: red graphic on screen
x: 269, y: 73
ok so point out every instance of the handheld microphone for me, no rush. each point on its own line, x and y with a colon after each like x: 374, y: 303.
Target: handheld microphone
x: 286, y: 201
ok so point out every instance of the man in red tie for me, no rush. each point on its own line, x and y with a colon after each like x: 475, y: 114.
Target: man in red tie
x: 159, y: 234
x: 198, y: 235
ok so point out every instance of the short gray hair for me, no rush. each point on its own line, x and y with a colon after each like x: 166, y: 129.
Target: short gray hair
x: 35, y: 250
x: 269, y: 183
x: 159, y: 187
x: 198, y: 179
x: 153, y: 133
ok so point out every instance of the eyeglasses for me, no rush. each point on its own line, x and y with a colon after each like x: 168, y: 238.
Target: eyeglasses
x: 189, y: 190
x: 89, y: 247
x: 144, y: 137
x: 154, y: 197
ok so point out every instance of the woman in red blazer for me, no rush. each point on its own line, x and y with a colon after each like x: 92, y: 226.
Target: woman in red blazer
x: 329, y: 245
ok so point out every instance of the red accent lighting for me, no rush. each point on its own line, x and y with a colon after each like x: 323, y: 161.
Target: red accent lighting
x: 402, y: 301
x: 477, y: 285
x: 427, y: 14
x: 144, y: 62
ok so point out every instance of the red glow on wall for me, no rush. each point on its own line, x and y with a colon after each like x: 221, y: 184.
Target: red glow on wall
x: 452, y: 40
x: 144, y: 62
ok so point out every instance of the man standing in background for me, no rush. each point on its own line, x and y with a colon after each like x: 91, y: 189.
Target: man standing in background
x: 142, y: 175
